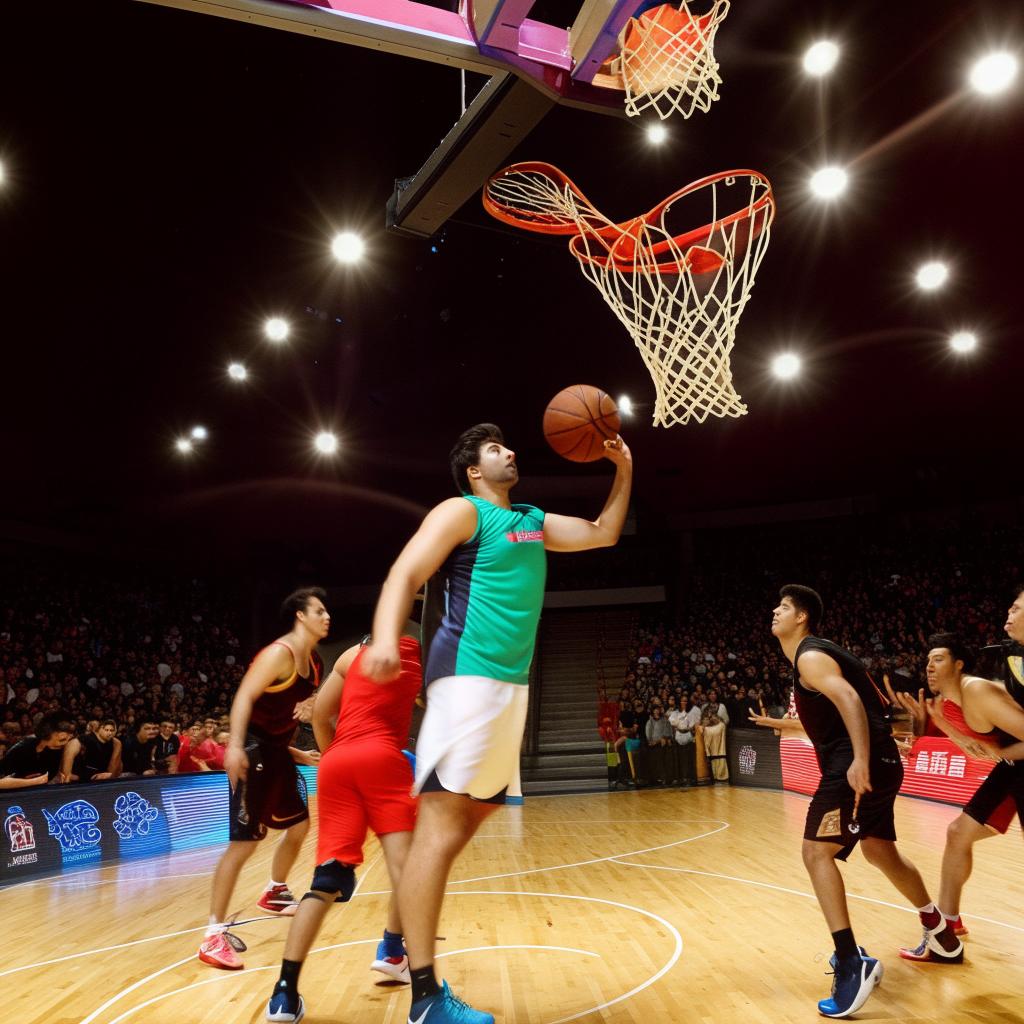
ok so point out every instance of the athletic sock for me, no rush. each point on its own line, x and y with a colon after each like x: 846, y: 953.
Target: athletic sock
x: 289, y: 978
x: 393, y: 944
x: 424, y: 983
x: 214, y: 928
x: 275, y: 885
x: 846, y: 945
x: 949, y: 917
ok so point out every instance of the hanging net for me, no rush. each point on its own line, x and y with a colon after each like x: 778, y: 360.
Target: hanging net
x: 680, y: 293
x: 667, y: 60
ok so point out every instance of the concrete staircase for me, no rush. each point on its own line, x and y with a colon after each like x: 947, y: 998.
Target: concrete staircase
x: 574, y: 647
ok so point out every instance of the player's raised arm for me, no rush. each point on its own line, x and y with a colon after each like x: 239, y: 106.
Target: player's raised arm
x: 820, y: 672
x: 447, y: 526
x: 270, y: 665
x: 571, y: 533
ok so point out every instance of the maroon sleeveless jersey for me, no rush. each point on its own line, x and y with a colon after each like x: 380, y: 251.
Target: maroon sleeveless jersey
x: 272, y: 718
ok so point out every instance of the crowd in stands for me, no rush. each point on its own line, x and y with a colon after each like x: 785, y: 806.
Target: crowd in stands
x: 103, y: 678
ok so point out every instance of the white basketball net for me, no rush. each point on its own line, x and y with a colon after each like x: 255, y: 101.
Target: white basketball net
x: 683, y: 322
x: 667, y: 62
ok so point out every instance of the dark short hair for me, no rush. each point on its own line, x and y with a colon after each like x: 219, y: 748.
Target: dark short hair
x: 466, y: 452
x: 106, y: 721
x: 805, y: 600
x: 56, y: 721
x: 956, y: 645
x: 298, y: 601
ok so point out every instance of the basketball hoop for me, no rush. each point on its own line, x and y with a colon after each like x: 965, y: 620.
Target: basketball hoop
x: 679, y: 294
x: 667, y: 61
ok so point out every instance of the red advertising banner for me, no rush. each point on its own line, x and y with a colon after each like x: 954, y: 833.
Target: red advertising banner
x: 936, y: 769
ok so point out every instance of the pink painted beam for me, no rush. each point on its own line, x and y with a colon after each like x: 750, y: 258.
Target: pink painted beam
x: 496, y: 23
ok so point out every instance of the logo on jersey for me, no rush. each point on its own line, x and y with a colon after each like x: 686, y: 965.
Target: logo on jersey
x: 525, y: 536
x: 830, y: 825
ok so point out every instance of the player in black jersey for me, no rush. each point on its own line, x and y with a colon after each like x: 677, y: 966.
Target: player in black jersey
x: 843, y: 714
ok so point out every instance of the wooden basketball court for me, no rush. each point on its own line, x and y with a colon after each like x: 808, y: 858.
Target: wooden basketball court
x: 639, y: 906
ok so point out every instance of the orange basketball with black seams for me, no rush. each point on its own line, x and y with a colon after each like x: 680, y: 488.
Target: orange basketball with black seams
x: 578, y: 420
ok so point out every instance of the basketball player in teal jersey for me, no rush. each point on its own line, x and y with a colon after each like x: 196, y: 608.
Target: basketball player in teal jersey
x: 492, y: 554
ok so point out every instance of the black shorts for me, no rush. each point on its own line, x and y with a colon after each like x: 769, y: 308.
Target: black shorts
x: 830, y: 816
x: 273, y: 795
x: 432, y: 784
x: 1005, y: 782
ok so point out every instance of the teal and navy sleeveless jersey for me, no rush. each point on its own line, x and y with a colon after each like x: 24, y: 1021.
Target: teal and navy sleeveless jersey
x: 495, y: 589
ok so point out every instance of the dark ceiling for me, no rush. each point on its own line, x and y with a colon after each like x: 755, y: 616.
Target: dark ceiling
x: 173, y: 178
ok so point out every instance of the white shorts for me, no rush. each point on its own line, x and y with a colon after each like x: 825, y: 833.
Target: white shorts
x: 471, y: 735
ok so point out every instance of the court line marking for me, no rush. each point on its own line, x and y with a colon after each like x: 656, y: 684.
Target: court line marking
x: 134, y: 985
x: 797, y: 892
x: 322, y: 949
x: 723, y: 825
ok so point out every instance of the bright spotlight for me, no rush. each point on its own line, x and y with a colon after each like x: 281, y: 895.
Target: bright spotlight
x: 657, y: 134
x: 786, y: 366
x: 199, y: 434
x: 348, y: 247
x: 1, y: 173
x: 821, y: 58
x: 325, y: 443
x: 276, y: 329
x: 931, y: 275
x: 829, y: 182
x: 963, y: 341
x: 184, y: 445
x: 236, y: 371
x: 625, y: 404
x: 994, y: 73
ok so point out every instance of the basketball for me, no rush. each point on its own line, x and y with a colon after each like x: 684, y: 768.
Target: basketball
x: 579, y: 420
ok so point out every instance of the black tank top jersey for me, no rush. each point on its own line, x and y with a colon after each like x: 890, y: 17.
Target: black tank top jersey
x: 271, y: 719
x: 821, y: 719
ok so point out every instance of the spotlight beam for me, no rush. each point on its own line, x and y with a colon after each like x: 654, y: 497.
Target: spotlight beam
x: 911, y: 127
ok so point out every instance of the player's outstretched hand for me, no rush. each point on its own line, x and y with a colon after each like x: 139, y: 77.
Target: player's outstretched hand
x: 859, y: 777
x: 304, y: 710
x: 381, y: 662
x: 763, y: 720
x: 308, y: 757
x: 617, y: 451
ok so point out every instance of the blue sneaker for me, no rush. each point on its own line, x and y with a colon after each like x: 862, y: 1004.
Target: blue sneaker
x: 446, y: 1008
x: 852, y: 983
x: 285, y: 1006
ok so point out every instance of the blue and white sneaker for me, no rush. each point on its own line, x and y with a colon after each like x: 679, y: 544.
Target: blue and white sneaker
x: 446, y: 1008
x: 852, y: 983
x: 394, y: 968
x: 285, y: 1006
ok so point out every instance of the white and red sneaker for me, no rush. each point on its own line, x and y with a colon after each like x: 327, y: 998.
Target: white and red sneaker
x: 278, y: 900
x: 939, y: 943
x: 217, y: 951
x: 394, y: 968
x: 958, y: 926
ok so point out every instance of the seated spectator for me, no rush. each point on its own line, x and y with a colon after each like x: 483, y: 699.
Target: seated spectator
x: 96, y: 756
x: 213, y: 753
x: 167, y: 745
x: 196, y: 749
x: 139, y: 750
x: 659, y: 742
x: 37, y: 758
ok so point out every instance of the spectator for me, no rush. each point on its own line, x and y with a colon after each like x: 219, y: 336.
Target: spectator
x: 138, y: 755
x: 96, y: 756
x: 37, y: 758
x: 165, y: 757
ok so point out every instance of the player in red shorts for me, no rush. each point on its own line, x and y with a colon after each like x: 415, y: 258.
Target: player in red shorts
x: 364, y: 781
x: 263, y: 781
x: 985, y: 722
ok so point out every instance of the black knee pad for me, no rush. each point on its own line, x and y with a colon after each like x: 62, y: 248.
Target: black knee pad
x: 334, y: 877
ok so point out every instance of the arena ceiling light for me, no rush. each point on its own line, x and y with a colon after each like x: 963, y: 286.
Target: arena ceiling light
x: 236, y: 371
x: 199, y: 433
x: 183, y: 446
x: 347, y: 247
x: 786, y: 366
x: 657, y: 134
x: 994, y: 73
x: 625, y: 404
x: 963, y: 342
x: 932, y: 275
x: 325, y: 442
x: 829, y: 182
x: 276, y: 329
x: 821, y: 58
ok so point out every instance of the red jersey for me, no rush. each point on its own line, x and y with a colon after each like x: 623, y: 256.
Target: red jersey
x: 381, y: 712
x: 954, y: 714
x: 272, y: 714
